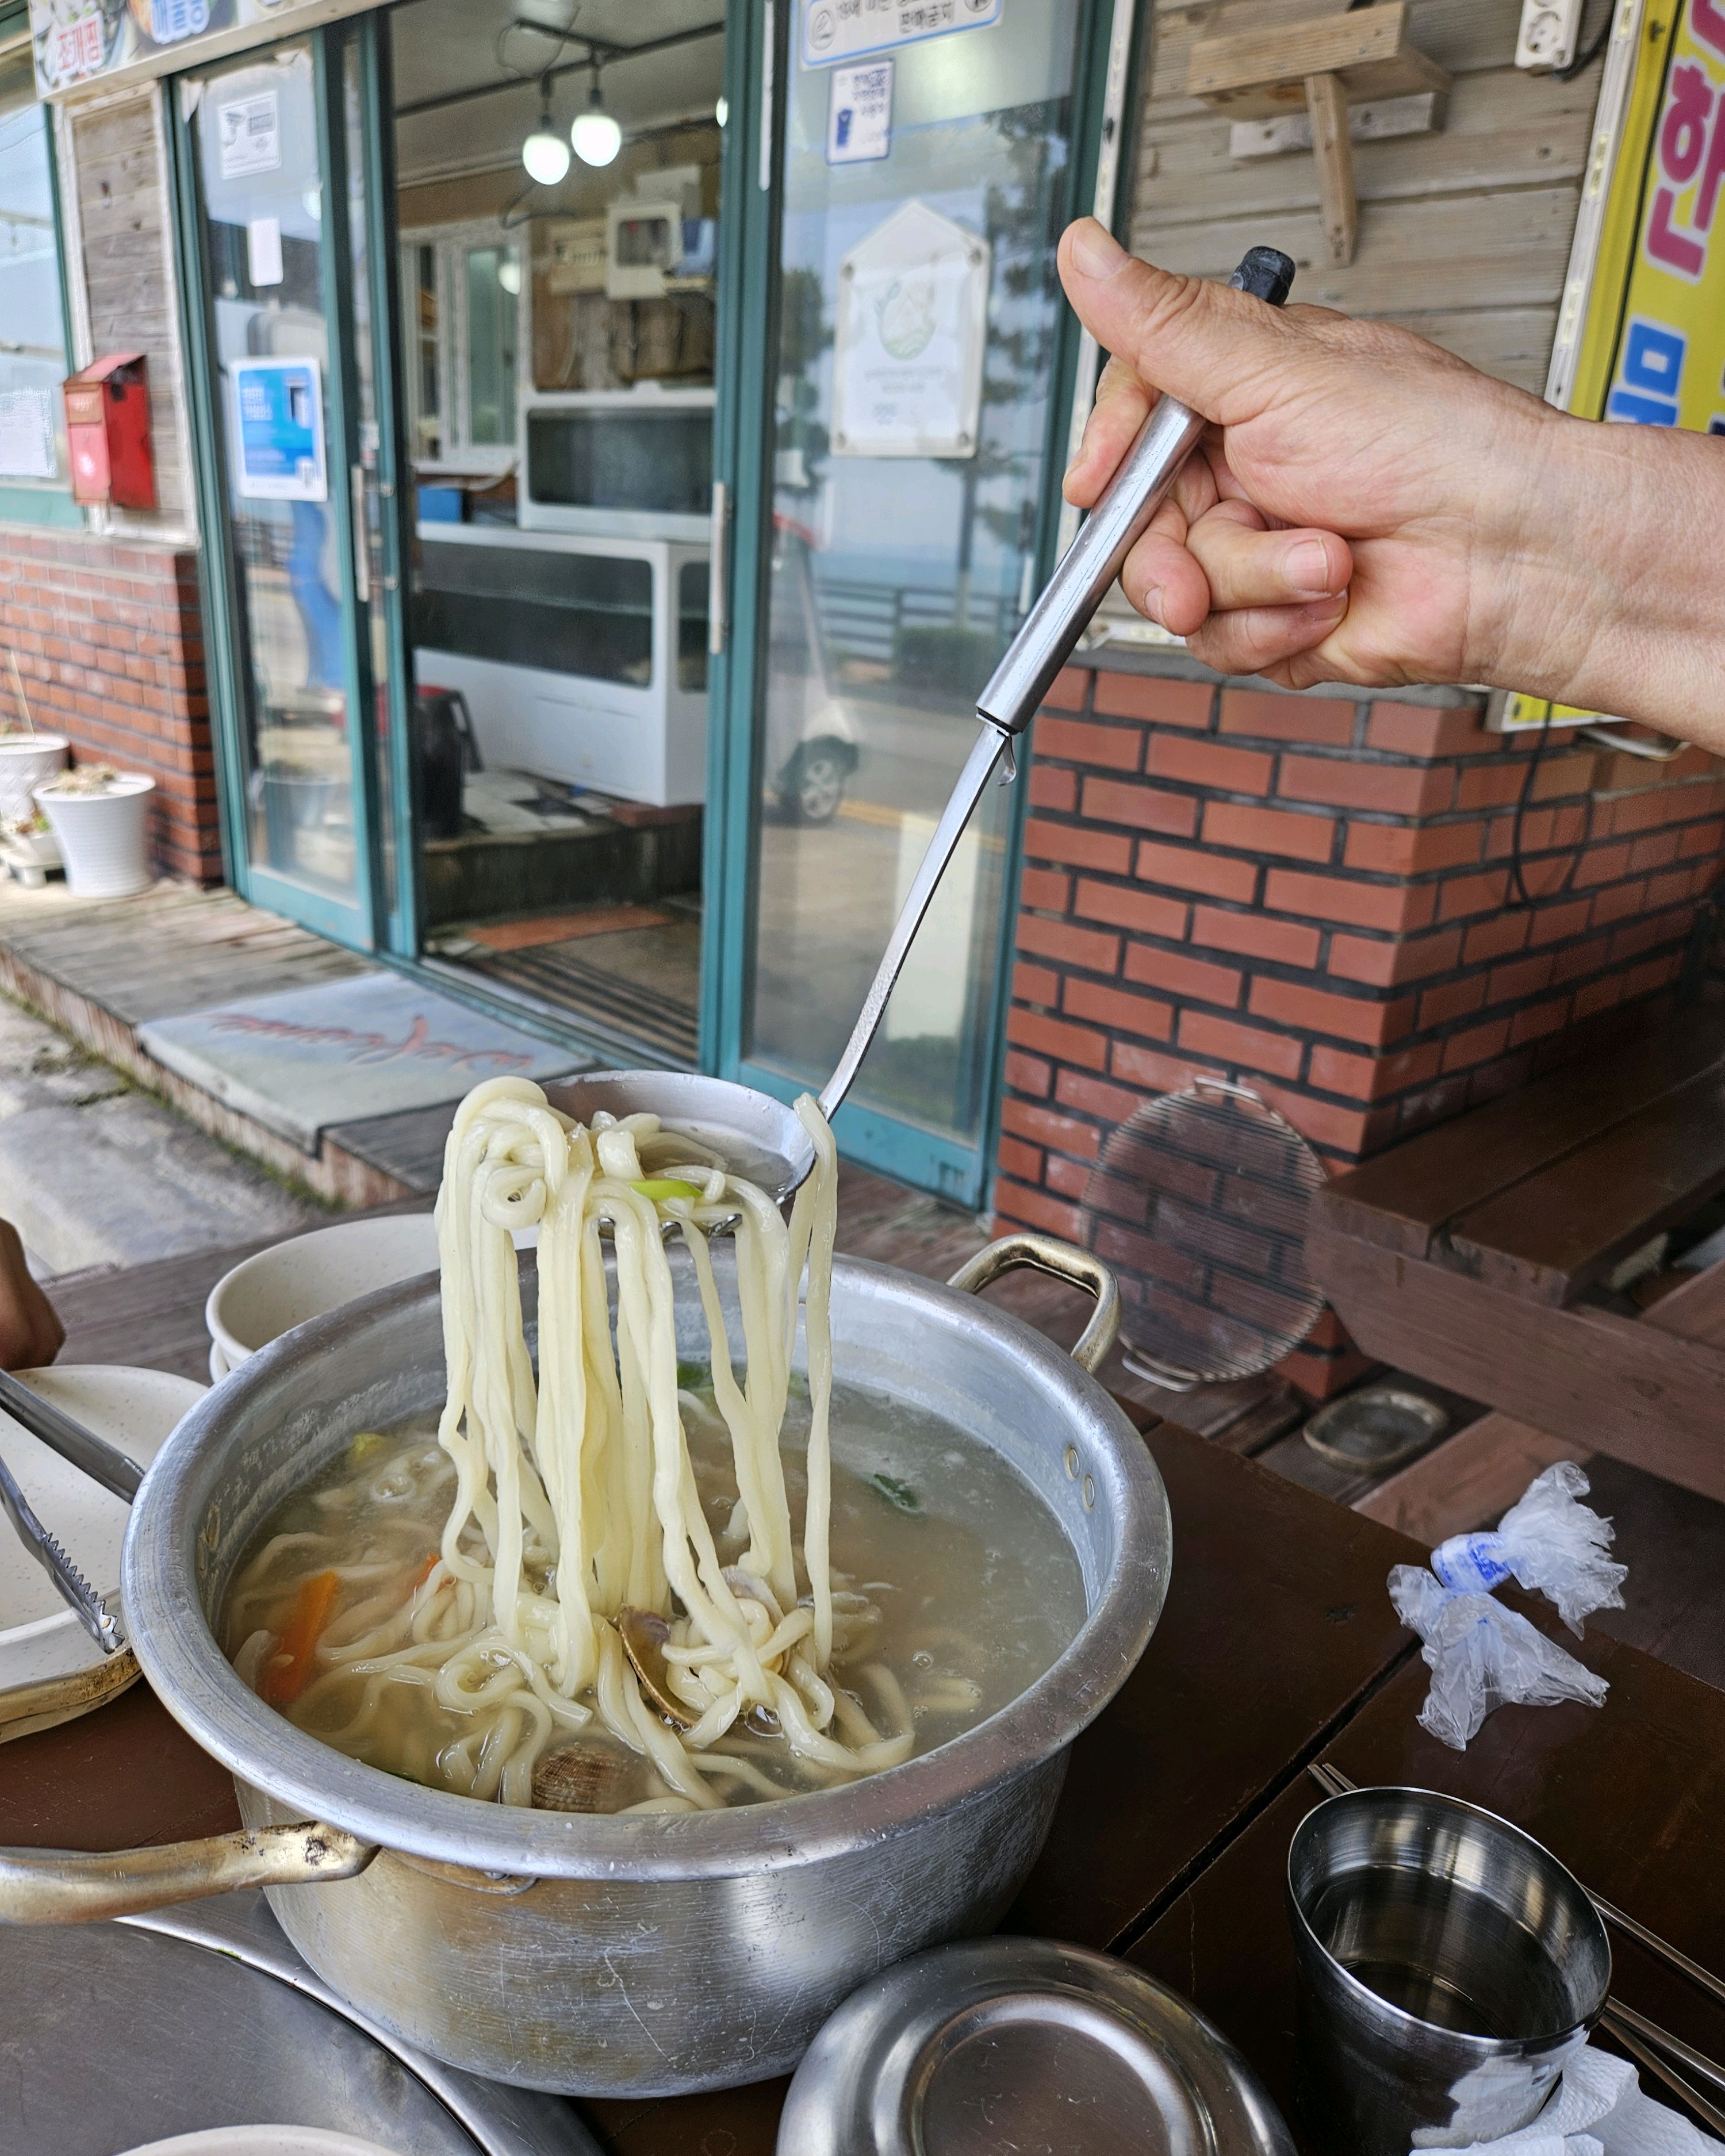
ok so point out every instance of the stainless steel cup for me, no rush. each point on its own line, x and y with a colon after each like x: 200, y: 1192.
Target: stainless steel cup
x: 1449, y: 1968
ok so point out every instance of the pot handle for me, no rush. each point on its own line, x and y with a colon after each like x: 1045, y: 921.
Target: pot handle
x: 63, y: 1887
x: 1066, y: 1262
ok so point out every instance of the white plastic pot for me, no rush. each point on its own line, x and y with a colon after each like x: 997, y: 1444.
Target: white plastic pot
x: 26, y: 761
x: 103, y: 837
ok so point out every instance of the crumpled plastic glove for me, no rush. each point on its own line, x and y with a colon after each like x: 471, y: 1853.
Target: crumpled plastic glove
x: 1598, y: 2109
x: 1481, y: 1656
x: 1547, y: 1542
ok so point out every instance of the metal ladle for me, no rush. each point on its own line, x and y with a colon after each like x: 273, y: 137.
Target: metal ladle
x: 760, y: 1137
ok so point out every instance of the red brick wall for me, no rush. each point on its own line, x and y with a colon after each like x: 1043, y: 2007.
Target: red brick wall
x: 1313, y: 894
x: 108, y: 643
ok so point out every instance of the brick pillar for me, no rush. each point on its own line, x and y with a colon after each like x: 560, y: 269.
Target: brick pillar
x: 109, y: 644
x: 1313, y: 894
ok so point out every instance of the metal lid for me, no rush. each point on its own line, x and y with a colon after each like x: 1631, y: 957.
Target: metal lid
x: 991, y: 2045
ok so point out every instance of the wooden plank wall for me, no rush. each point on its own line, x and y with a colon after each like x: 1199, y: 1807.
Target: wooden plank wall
x: 1464, y: 235
x: 124, y: 215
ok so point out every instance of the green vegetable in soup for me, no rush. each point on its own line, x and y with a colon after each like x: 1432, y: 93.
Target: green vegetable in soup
x: 898, y: 1494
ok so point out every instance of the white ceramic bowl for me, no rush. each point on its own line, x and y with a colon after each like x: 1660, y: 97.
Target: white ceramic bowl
x: 281, y: 1287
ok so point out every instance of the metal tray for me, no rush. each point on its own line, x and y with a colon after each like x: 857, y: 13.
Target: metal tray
x: 113, y: 2036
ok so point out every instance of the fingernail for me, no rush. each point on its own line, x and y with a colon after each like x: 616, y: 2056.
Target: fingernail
x: 1096, y: 251
x: 1150, y: 604
x: 1307, y: 569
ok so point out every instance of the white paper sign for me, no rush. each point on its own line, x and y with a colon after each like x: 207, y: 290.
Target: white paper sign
x: 249, y: 134
x: 860, y: 114
x: 912, y: 324
x: 263, y: 252
x: 846, y: 30
x: 26, y: 433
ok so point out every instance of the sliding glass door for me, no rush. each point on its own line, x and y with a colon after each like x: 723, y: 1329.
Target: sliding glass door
x: 897, y: 488
x: 282, y: 318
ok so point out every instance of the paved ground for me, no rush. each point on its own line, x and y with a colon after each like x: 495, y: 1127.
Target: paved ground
x: 95, y: 1173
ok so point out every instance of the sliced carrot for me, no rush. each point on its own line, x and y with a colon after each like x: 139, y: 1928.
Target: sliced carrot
x: 289, y: 1670
x: 424, y: 1572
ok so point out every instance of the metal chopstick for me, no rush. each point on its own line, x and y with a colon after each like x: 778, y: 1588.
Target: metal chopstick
x: 73, y: 1587
x: 102, y: 1462
x: 1615, y: 2019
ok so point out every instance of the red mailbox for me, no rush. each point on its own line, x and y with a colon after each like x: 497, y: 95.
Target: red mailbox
x: 108, y: 432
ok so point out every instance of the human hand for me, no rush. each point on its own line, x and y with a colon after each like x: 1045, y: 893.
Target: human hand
x: 1366, y: 508
x: 31, y: 1334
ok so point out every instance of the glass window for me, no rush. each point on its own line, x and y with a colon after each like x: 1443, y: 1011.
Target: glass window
x: 692, y: 582
x: 609, y: 458
x: 34, y: 467
x: 270, y: 351
x: 566, y: 613
x: 898, y: 561
x: 494, y: 279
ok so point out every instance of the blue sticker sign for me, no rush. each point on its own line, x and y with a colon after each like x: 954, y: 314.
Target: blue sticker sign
x: 279, y: 413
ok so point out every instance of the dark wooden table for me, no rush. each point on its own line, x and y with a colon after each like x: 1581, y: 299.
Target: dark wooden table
x: 1277, y: 1646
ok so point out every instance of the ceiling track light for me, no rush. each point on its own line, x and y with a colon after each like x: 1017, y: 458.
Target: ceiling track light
x: 545, y: 153
x: 596, y: 137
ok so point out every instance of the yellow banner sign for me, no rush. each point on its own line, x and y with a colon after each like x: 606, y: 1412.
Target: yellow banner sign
x: 1653, y: 351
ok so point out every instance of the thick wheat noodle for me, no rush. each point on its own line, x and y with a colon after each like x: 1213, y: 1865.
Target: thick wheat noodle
x: 575, y: 1494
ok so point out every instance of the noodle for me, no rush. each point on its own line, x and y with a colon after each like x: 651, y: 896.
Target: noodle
x: 574, y: 1495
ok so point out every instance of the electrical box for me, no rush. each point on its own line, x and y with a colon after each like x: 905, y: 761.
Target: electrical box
x: 108, y: 432
x: 1549, y: 32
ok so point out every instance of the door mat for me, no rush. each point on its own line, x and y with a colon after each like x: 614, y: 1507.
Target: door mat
x: 377, y: 1045
x: 562, y: 927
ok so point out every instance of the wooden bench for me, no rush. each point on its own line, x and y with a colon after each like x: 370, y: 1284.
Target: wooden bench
x: 1464, y: 1255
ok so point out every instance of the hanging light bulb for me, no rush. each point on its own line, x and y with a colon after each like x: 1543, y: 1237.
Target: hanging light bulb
x: 596, y: 135
x: 721, y: 111
x: 545, y: 153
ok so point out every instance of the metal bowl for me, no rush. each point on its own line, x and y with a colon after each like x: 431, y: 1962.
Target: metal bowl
x: 618, y: 1955
x: 988, y: 2045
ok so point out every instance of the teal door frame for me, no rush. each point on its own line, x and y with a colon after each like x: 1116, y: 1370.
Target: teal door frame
x: 760, y: 50
x: 364, y: 922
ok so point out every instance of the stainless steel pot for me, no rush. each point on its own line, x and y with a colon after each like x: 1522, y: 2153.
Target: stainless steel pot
x: 620, y: 1956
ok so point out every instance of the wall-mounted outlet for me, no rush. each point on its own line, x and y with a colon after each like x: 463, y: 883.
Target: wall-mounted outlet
x: 1549, y: 33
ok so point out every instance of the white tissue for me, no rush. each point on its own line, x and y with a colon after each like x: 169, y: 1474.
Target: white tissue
x: 1480, y: 1656
x: 1599, y: 2110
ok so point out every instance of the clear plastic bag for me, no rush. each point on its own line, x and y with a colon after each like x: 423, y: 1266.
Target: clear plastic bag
x: 1481, y: 1656
x: 1547, y: 1542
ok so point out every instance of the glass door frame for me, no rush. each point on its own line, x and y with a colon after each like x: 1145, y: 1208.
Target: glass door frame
x: 760, y: 49
x: 375, y: 918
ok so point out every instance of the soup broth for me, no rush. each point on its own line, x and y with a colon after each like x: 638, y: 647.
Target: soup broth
x: 954, y: 1590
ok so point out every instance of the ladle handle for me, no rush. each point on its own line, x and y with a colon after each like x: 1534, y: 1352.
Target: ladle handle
x: 1043, y: 645
x: 1090, y: 565
x: 1064, y: 1261
x: 55, y: 1887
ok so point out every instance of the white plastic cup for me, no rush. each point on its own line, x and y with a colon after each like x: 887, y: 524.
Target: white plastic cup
x: 104, y: 838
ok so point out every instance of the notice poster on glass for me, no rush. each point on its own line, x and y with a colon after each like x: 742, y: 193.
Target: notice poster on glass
x: 846, y: 30
x: 279, y: 429
x: 908, y: 347
x: 26, y: 449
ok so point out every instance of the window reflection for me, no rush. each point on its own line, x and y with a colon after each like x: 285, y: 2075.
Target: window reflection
x: 896, y: 580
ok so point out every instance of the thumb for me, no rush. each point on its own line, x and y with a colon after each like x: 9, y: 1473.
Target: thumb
x: 1210, y: 346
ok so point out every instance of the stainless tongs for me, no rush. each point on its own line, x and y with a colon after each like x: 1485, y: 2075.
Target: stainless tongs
x: 103, y: 1463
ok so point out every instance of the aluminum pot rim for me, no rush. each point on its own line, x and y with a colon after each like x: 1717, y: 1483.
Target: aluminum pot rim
x: 1483, y: 2047
x: 187, y: 1668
